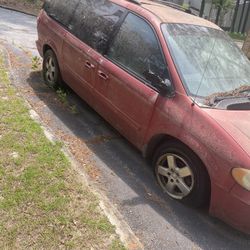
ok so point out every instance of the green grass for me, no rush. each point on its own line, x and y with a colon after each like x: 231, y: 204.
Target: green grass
x: 116, y: 245
x: 237, y: 36
x: 43, y: 204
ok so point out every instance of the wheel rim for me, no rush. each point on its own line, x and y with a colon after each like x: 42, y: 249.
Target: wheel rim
x: 50, y: 70
x: 175, y: 175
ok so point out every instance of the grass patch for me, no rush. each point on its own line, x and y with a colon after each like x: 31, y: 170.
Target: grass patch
x: 116, y: 245
x: 43, y: 205
x: 237, y: 36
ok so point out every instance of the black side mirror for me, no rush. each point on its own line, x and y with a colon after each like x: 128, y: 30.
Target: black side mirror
x: 166, y: 88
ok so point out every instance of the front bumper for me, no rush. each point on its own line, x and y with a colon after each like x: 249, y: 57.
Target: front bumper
x: 232, y: 207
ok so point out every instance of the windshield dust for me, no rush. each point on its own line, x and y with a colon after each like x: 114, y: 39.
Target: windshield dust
x: 208, y: 61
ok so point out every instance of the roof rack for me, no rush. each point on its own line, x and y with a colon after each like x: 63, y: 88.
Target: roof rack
x: 172, y: 5
x: 135, y: 1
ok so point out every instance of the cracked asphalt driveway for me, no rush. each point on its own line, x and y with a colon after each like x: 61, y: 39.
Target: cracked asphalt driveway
x: 19, y: 30
x: 115, y: 166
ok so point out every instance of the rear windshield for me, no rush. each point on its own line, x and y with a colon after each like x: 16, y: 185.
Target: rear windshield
x: 208, y: 60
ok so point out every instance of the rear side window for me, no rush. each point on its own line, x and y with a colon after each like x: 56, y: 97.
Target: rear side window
x: 94, y: 21
x: 136, y: 48
x: 61, y: 10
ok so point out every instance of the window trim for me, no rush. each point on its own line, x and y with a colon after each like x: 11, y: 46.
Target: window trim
x: 134, y: 74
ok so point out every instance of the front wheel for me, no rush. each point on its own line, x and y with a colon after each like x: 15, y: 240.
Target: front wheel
x: 51, y: 71
x: 181, y: 174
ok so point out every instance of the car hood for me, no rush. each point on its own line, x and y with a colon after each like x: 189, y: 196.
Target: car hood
x: 235, y: 123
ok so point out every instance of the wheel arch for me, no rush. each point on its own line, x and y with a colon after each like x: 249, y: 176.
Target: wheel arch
x: 50, y: 45
x: 155, y: 142
x: 46, y: 47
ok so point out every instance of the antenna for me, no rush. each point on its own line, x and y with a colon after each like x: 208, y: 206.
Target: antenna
x: 203, y: 75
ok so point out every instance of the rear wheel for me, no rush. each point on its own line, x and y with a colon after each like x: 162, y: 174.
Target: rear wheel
x: 181, y: 174
x: 51, y: 71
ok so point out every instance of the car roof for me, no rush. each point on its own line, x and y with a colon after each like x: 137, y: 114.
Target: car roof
x: 170, y: 15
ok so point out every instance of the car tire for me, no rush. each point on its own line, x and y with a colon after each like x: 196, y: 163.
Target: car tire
x: 51, y: 70
x: 181, y: 174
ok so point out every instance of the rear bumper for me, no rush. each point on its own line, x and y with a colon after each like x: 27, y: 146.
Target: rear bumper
x: 232, y: 207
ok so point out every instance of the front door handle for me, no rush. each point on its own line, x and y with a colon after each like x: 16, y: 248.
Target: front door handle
x: 89, y: 65
x: 102, y: 75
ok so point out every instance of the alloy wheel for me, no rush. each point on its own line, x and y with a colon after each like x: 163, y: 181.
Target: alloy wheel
x: 50, y: 68
x: 175, y: 175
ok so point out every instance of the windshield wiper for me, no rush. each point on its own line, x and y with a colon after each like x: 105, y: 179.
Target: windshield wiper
x: 245, y: 91
x: 241, y: 92
x: 216, y: 99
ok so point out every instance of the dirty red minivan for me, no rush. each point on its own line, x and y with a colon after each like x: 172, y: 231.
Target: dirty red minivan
x: 173, y: 84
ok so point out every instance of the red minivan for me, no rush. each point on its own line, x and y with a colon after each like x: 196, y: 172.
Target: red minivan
x: 173, y: 84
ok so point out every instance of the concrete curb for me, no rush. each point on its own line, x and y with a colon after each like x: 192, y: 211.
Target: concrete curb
x: 17, y: 10
x: 126, y: 234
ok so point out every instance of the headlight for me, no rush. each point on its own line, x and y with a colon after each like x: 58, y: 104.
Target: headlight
x: 242, y: 177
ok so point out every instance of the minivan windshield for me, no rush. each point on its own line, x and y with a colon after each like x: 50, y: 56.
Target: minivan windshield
x: 208, y: 61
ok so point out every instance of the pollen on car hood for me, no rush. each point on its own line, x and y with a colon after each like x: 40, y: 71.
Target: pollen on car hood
x: 235, y: 123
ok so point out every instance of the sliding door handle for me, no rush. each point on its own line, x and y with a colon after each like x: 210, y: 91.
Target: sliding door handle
x: 102, y: 75
x: 89, y: 65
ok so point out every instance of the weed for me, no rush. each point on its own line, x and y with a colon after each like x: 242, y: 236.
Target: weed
x: 36, y: 62
x: 73, y: 109
x: 62, y: 95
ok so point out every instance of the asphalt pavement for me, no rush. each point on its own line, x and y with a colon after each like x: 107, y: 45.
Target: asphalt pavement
x: 119, y: 169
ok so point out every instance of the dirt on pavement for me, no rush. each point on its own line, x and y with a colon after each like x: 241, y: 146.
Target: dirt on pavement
x: 29, y: 7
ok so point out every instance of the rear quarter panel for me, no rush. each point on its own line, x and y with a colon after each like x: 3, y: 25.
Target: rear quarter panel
x: 51, y: 33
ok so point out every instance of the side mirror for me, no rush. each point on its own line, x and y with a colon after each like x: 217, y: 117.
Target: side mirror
x: 166, y: 88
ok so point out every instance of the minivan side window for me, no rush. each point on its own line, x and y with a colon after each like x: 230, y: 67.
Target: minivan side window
x: 94, y: 21
x: 61, y: 10
x: 137, y: 49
